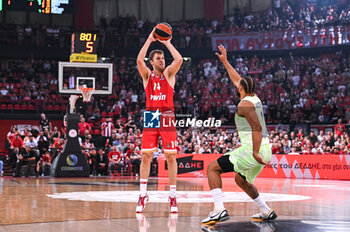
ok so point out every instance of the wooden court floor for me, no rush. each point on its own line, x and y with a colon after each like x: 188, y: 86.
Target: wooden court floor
x: 108, y: 204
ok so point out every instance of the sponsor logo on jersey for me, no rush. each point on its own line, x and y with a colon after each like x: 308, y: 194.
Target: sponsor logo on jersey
x: 160, y: 97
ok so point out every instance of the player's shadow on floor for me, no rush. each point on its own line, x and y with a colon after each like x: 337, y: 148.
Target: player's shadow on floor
x: 279, y: 226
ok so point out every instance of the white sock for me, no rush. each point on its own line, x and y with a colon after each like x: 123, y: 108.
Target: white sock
x: 262, y: 205
x: 218, y: 199
x: 172, y: 192
x: 143, y: 187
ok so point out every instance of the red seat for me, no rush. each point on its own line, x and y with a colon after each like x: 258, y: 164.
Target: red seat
x: 3, y: 106
x: 63, y: 108
x: 97, y: 132
x: 49, y: 107
x: 31, y: 107
x: 113, y: 97
x: 23, y: 107
x: 9, y: 106
x: 57, y: 107
x: 110, y: 114
x: 1, y: 84
x: 104, y: 114
x: 16, y: 91
x: 17, y: 107
x: 18, y: 85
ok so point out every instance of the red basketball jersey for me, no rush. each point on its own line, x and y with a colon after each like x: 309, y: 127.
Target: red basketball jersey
x: 159, y: 94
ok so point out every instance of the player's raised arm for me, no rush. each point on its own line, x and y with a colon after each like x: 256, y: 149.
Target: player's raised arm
x: 234, y: 76
x: 141, y: 65
x: 174, y: 67
x: 246, y: 109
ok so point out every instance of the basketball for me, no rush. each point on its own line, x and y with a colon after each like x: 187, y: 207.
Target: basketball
x: 163, y: 31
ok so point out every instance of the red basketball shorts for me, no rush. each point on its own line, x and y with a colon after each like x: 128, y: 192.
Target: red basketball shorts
x: 167, y: 132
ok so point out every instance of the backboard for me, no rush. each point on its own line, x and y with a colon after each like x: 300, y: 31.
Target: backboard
x: 90, y: 75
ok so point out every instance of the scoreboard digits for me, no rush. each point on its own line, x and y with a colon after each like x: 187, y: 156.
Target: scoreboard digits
x: 84, y: 47
x: 84, y: 43
x: 87, y: 37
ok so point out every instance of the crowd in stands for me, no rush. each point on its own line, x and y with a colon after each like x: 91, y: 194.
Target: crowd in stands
x: 114, y: 149
x: 293, y: 89
x: 130, y: 32
x: 300, y: 90
x: 220, y: 141
x: 117, y: 149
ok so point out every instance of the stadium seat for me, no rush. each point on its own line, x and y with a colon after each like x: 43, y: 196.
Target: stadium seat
x: 57, y: 107
x: 17, y: 107
x: 3, y: 107
x: 23, y: 107
x: 50, y: 107
x: 31, y: 107
x: 110, y: 114
x: 63, y: 108
x: 104, y: 114
x: 10, y: 107
x: 97, y: 132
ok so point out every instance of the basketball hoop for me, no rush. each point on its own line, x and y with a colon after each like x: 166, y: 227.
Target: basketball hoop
x: 87, y: 93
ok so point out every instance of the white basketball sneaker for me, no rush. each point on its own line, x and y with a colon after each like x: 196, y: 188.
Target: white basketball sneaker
x: 173, y: 205
x: 265, y: 217
x: 141, y: 205
x: 216, y: 216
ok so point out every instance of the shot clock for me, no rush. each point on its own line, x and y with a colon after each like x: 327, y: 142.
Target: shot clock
x: 85, y: 43
x: 84, y: 47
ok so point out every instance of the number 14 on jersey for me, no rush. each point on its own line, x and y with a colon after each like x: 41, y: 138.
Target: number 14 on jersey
x: 156, y: 86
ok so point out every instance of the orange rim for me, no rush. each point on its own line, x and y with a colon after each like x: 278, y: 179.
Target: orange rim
x: 86, y: 90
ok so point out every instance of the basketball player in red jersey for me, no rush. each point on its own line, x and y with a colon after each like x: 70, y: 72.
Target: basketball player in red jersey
x: 159, y: 86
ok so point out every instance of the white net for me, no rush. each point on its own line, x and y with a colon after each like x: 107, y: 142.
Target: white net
x: 87, y: 93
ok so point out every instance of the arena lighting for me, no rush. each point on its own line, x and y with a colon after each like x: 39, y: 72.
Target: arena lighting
x: 0, y: 5
x: 187, y: 62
